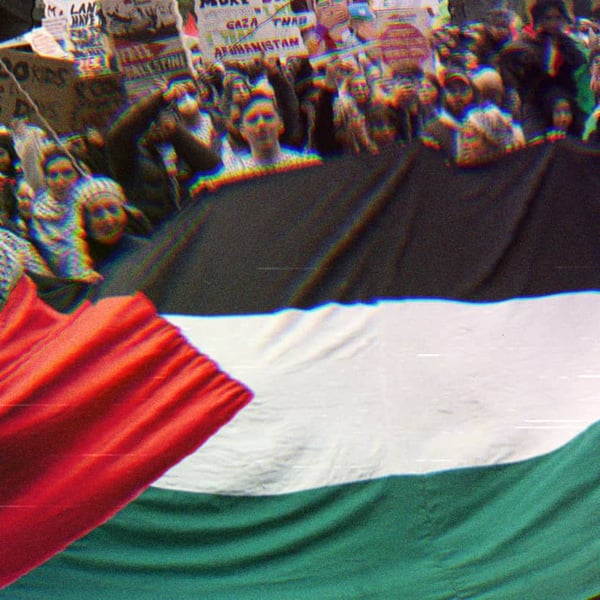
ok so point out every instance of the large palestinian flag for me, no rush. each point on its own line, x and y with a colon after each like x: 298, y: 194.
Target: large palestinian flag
x: 423, y: 346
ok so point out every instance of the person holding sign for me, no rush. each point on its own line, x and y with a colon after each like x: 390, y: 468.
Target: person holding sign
x: 133, y: 145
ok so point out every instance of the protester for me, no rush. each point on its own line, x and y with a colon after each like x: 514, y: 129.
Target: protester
x: 444, y: 131
x: 15, y: 194
x: 594, y: 66
x: 261, y: 126
x: 11, y: 270
x: 133, y: 146
x: 352, y: 115
x: 187, y: 107
x: 430, y: 95
x: 327, y: 143
x: 300, y: 73
x: 401, y: 99
x: 500, y: 31
x: 544, y: 57
x: 562, y: 115
x: 56, y: 224
x: 488, y: 131
x: 109, y: 222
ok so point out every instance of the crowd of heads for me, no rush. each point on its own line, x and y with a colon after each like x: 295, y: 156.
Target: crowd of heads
x: 69, y: 202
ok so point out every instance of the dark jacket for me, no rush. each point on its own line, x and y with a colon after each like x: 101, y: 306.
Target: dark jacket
x: 138, y: 166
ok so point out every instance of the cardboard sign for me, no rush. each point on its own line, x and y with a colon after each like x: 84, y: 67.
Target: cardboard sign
x: 64, y: 100
x: 49, y: 82
x: 248, y: 29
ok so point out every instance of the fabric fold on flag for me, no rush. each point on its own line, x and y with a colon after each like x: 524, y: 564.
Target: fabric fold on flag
x: 95, y: 406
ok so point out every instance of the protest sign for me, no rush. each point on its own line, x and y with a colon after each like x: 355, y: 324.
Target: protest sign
x: 403, y: 36
x: 76, y: 25
x: 85, y: 39
x: 56, y: 17
x: 248, y: 29
x: 66, y: 101
x: 43, y: 43
x: 395, y: 31
x: 147, y: 42
x: 338, y: 27
x: 48, y: 81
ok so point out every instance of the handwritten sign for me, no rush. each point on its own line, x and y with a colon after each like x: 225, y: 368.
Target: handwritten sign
x: 56, y: 16
x: 86, y: 40
x: 248, y: 29
x: 147, y: 41
x: 65, y: 100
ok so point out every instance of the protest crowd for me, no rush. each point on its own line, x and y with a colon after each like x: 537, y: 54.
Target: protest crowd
x: 70, y: 203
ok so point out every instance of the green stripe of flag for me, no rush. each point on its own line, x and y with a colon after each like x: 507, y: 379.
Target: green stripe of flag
x: 525, y: 530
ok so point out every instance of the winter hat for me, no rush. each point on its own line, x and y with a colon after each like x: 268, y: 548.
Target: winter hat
x: 92, y: 188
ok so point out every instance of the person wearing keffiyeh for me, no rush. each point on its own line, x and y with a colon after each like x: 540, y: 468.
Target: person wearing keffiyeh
x: 18, y: 257
x: 57, y: 227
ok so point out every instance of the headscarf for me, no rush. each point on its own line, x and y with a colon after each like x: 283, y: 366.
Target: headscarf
x: 92, y: 188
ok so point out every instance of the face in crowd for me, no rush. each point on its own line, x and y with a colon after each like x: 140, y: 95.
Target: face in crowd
x: 404, y: 92
x: 60, y: 175
x: 5, y: 160
x: 359, y: 89
x: 105, y: 219
x: 562, y: 115
x: 499, y: 28
x: 458, y: 95
x: 8, y: 154
x: 261, y: 126
x: 428, y: 92
x: 552, y: 21
x: 240, y: 93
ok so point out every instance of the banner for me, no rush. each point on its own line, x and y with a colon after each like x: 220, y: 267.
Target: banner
x: 146, y: 38
x: 249, y: 29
